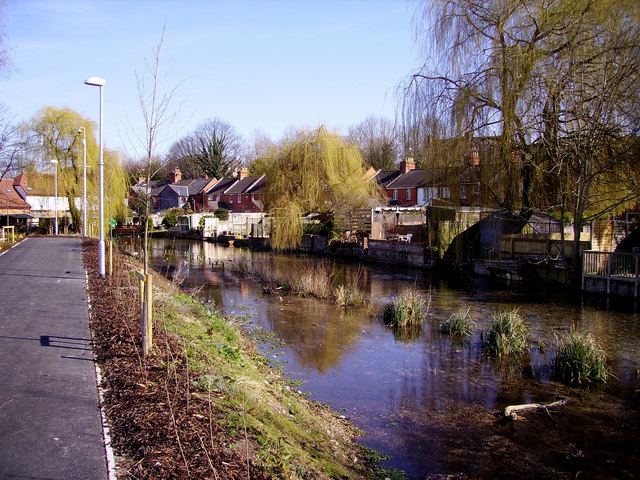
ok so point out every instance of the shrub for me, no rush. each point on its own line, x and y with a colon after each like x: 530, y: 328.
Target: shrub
x: 507, y: 333
x: 171, y: 217
x: 579, y: 359
x: 221, y: 214
x: 458, y: 324
x: 407, y: 309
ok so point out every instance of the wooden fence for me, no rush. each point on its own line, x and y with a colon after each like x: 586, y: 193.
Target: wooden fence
x: 354, y: 221
x: 611, y: 273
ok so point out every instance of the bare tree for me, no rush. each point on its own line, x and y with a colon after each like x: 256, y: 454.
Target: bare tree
x: 11, y: 147
x: 155, y: 108
x: 378, y: 141
x: 214, y: 149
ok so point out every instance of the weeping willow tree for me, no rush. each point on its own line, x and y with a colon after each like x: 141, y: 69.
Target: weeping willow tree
x: 317, y: 172
x: 54, y: 134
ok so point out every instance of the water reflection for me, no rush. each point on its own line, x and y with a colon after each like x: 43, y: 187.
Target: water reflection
x: 431, y: 403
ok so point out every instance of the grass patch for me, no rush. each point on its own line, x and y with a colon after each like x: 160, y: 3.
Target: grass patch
x: 507, y: 334
x: 408, y: 309
x: 579, y: 359
x: 459, y: 324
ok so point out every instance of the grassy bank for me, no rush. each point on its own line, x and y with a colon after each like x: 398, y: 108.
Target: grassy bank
x: 206, y: 404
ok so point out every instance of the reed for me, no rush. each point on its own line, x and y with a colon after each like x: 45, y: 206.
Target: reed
x: 507, y: 334
x: 350, y: 294
x: 459, y: 324
x: 306, y: 279
x: 347, y: 296
x: 408, y: 309
x: 579, y: 359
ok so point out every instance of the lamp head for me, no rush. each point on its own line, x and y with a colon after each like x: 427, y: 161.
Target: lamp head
x: 95, y: 81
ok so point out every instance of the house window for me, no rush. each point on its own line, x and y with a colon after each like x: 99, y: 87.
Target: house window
x: 230, y: 198
x: 463, y: 192
x: 209, y: 197
x: 217, y: 198
x: 408, y: 194
x: 476, y: 189
x: 253, y: 197
x: 395, y: 193
x: 446, y: 192
x: 239, y: 198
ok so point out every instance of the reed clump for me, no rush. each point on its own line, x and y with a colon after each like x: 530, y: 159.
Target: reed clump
x: 408, y: 309
x: 459, y: 324
x: 579, y: 359
x: 305, y: 279
x: 350, y: 294
x: 507, y: 334
x: 347, y: 296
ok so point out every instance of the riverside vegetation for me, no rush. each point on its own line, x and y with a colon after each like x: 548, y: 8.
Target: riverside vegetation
x: 206, y: 403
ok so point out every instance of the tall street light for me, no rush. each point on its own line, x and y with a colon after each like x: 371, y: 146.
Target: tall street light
x: 55, y: 202
x: 84, y: 180
x: 99, y: 82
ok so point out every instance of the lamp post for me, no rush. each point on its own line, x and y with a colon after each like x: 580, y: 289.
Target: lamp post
x: 84, y: 180
x: 99, y: 82
x: 55, y: 201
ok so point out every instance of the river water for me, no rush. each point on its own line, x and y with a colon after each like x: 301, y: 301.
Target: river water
x: 431, y: 404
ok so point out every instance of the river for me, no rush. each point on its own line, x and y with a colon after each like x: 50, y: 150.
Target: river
x: 431, y: 404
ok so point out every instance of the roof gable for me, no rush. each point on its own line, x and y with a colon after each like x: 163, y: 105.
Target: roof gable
x: 244, y: 185
x: 222, y: 185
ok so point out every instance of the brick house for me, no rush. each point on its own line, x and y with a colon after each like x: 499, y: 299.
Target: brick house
x: 242, y: 193
x: 410, y: 187
x: 177, y: 192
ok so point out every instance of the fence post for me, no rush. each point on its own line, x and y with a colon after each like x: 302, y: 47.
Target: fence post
x: 609, y: 263
x: 635, y: 290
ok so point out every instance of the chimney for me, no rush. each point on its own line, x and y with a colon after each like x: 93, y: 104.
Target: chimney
x: 176, y: 176
x: 242, y: 173
x: 407, y: 165
x: 474, y: 158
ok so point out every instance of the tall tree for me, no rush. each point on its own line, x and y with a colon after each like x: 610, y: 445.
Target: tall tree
x: 554, y: 83
x: 53, y: 134
x: 214, y: 149
x: 378, y: 141
x: 314, y: 171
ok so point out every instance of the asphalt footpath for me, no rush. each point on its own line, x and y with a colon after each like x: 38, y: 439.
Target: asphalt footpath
x: 50, y: 421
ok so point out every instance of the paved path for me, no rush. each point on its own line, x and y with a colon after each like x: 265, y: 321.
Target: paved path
x: 50, y: 424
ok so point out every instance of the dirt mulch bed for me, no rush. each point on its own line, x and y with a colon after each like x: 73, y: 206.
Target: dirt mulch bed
x: 159, y: 430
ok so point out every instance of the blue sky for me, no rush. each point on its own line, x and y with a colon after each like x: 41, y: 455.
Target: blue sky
x: 258, y: 65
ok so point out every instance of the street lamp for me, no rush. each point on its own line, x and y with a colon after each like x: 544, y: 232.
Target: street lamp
x: 99, y: 82
x: 55, y: 202
x: 84, y: 180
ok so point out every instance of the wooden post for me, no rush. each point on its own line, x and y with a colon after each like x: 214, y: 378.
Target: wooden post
x: 146, y: 308
x: 149, y: 302
x: 140, y: 276
x: 110, y: 257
